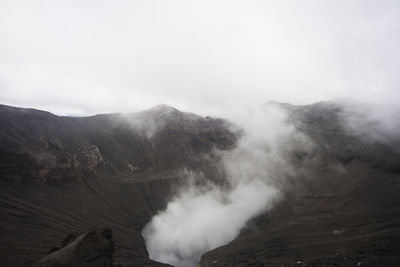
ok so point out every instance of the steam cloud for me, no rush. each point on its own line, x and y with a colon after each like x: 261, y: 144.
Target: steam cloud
x: 373, y: 123
x: 201, y: 218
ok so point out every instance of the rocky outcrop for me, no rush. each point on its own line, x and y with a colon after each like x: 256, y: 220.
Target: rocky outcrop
x: 54, y: 165
x: 92, y: 248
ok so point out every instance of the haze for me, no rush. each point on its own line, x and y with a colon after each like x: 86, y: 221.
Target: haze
x: 87, y: 57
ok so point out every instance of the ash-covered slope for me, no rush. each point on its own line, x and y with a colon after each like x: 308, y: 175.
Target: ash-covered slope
x: 344, y: 210
x: 38, y: 147
x: 61, y: 175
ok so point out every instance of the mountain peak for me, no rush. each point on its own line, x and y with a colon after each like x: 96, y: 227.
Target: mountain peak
x: 163, y: 107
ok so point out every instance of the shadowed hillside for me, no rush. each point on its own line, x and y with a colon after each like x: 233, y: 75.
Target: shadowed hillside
x: 62, y: 175
x: 344, y: 211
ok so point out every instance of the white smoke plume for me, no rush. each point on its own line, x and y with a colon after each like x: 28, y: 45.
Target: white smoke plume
x: 201, y: 218
x: 373, y: 123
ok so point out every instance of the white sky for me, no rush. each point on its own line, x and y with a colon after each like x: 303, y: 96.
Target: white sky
x: 87, y: 57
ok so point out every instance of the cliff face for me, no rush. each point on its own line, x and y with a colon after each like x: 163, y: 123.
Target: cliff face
x: 61, y: 175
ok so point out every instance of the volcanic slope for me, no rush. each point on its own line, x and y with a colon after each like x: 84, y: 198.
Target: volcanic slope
x: 344, y: 211
x: 61, y: 175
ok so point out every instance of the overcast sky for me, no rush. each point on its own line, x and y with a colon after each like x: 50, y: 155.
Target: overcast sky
x: 86, y: 57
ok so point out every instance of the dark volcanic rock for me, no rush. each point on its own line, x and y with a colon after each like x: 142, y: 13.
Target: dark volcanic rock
x: 333, y: 219
x: 60, y: 175
x: 39, y: 147
x: 328, y: 125
x: 92, y: 248
x: 344, y: 211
